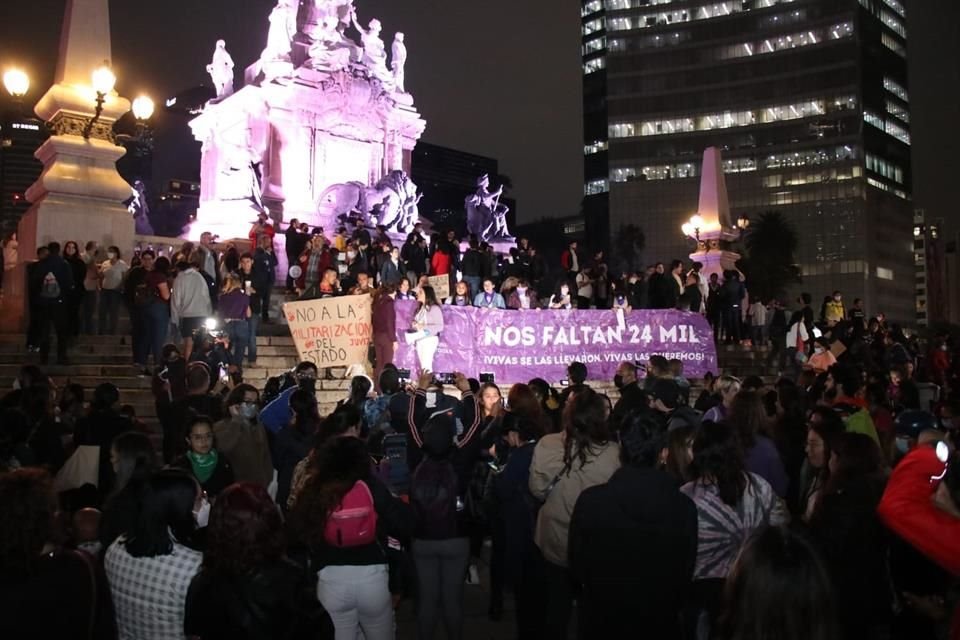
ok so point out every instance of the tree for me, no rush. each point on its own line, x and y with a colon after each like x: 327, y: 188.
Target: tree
x: 628, y: 247
x: 769, y: 263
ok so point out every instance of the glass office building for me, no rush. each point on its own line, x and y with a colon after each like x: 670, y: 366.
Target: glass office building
x: 809, y: 101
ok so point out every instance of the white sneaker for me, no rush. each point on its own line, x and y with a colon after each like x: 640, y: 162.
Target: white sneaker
x: 473, y: 576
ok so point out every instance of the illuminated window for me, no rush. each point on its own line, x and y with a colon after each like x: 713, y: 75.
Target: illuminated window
x: 876, y: 184
x: 893, y: 23
x: 897, y: 6
x: 873, y: 119
x: 887, y: 169
x: 704, y: 12
x: 597, y: 44
x: 895, y: 130
x: 896, y: 89
x: 893, y: 44
x: 596, y: 64
x: 596, y: 147
x: 884, y: 274
x: 591, y: 7
x: 898, y: 111
x: 731, y: 119
x: 596, y: 186
x: 592, y: 26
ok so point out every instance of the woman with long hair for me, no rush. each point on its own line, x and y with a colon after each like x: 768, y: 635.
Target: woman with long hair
x: 134, y: 461
x: 823, y: 427
x: 352, y: 579
x: 727, y: 388
x: 157, y: 310
x: 779, y: 590
x: 151, y: 566
x: 564, y: 464
x: 678, y: 454
x: 847, y: 531
x: 749, y: 418
x: 550, y: 403
x: 209, y: 467
x: 292, y: 443
x: 233, y: 306
x: 345, y: 421
x: 731, y: 504
x: 46, y: 591
x: 71, y: 253
x: 427, y: 327
x: 247, y: 587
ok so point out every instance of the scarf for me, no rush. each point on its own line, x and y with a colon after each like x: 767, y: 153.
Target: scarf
x: 203, y: 465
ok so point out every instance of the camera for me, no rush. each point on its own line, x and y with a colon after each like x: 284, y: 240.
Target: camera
x: 444, y: 378
x: 487, y: 378
x: 404, y: 375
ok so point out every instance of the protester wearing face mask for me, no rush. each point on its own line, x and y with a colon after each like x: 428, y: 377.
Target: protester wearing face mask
x: 111, y: 273
x: 561, y: 299
x: 822, y: 358
x: 632, y: 397
x: 203, y: 461
x: 243, y: 439
x: 912, y: 429
x: 523, y: 297
x: 150, y: 568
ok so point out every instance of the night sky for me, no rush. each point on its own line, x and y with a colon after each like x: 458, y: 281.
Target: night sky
x: 494, y: 77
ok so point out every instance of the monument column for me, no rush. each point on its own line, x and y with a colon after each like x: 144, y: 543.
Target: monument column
x: 712, y: 227
x: 79, y: 195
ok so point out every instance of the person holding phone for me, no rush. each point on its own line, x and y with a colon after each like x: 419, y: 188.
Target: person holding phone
x: 427, y: 327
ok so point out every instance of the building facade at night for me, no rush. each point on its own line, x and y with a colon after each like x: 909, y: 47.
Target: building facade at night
x: 808, y: 100
x: 20, y: 137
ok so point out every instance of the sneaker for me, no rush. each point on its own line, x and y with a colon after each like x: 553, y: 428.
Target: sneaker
x: 473, y: 576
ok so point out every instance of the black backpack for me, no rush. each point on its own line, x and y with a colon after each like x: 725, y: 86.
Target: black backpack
x: 434, y: 498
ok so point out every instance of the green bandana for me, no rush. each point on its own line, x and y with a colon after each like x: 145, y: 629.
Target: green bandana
x: 203, y: 465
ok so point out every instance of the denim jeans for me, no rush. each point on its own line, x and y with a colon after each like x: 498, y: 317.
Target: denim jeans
x: 441, y: 565
x: 156, y: 330
x: 88, y: 307
x: 357, y: 597
x: 109, y: 311
x: 253, y: 324
x: 239, y: 332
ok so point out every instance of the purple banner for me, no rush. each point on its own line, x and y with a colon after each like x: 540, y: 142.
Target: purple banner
x: 516, y: 346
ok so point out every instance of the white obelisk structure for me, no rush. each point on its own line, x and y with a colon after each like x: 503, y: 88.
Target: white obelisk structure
x: 717, y: 230
x: 79, y: 196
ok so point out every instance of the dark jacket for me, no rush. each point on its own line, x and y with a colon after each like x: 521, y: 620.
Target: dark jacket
x: 295, y: 244
x: 290, y: 446
x: 274, y: 602
x: 414, y: 257
x: 633, y: 546
x: 663, y: 291
x: 98, y: 430
x: 467, y: 444
x: 515, y: 512
x: 222, y: 476
x: 384, y: 317
x: 61, y: 271
x: 853, y: 544
x: 472, y: 264
x: 264, y: 270
x: 632, y: 398
x: 391, y: 273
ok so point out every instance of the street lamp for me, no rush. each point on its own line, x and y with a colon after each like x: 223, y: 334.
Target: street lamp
x: 142, y: 108
x: 691, y: 228
x: 103, y: 82
x: 17, y: 83
x: 743, y: 222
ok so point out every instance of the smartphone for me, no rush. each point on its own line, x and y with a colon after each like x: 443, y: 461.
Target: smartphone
x: 445, y: 378
x: 404, y: 375
x: 486, y: 378
x: 564, y: 383
x: 223, y: 375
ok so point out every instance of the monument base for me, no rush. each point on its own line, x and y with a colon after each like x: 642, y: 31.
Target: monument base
x: 716, y: 261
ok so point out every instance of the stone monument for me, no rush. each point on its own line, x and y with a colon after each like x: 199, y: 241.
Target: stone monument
x: 717, y: 232
x: 323, y: 127
x: 79, y: 196
x: 486, y: 216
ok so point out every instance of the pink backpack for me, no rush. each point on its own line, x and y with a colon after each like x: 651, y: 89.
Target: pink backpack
x: 354, y: 522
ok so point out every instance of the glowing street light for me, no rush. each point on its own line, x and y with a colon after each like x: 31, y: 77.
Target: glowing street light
x: 143, y: 108
x: 16, y: 82
x: 691, y: 228
x: 103, y: 82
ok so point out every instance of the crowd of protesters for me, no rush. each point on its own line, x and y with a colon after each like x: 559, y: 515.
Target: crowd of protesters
x: 820, y: 504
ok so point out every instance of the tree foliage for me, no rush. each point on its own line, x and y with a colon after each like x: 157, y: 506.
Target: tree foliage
x: 769, y: 263
x: 628, y: 246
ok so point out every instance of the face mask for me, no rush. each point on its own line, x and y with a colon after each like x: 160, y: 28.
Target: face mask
x: 618, y: 381
x: 248, y: 411
x: 111, y: 255
x: 837, y: 298
x: 521, y: 290
x: 351, y: 254
x: 903, y: 445
x: 431, y: 399
x: 202, y: 515
x: 564, y: 291
x: 818, y: 350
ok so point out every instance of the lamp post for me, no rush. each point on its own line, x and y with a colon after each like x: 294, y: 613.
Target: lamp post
x: 17, y: 83
x: 103, y: 83
x: 691, y: 228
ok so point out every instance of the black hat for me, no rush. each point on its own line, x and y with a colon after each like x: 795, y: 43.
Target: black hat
x: 438, y: 434
x: 666, y: 391
x: 912, y: 423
